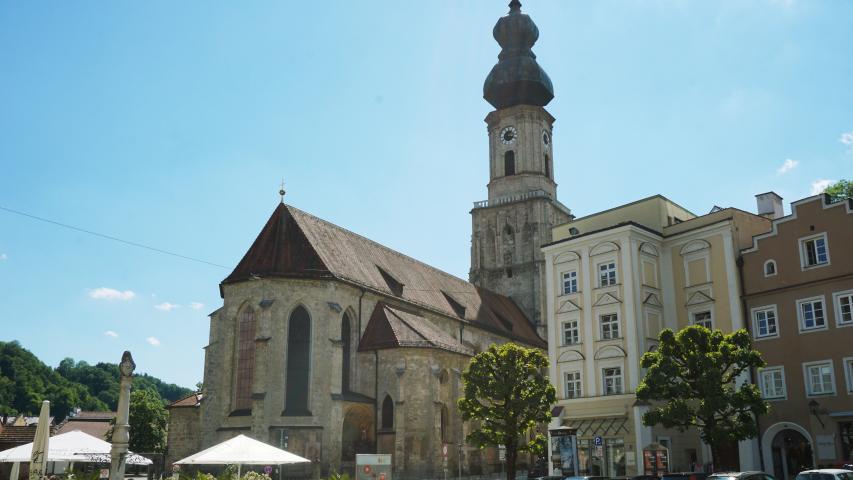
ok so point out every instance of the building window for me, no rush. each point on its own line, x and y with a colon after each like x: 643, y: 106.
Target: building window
x: 820, y: 379
x: 571, y: 333
x: 444, y: 417
x: 573, y: 384
x: 769, y: 268
x: 703, y: 319
x: 843, y: 308
x: 298, y: 363
x: 848, y: 372
x: 346, y: 341
x: 609, y: 326
x: 387, y: 413
x: 607, y: 274
x: 814, y: 251
x: 509, y: 163
x: 245, y: 359
x: 811, y: 313
x: 764, y: 322
x: 570, y: 282
x: 772, y: 382
x: 612, y: 380
x: 547, y: 167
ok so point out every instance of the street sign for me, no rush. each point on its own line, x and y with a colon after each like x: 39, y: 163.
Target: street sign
x: 502, y: 453
x: 268, y: 469
x: 444, y: 450
x: 373, y: 467
x: 598, y: 441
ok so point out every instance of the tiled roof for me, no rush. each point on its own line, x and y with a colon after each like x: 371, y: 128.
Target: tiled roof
x: 95, y: 428
x: 296, y: 244
x: 192, y: 400
x: 391, y: 327
x: 20, y: 435
x: 94, y: 416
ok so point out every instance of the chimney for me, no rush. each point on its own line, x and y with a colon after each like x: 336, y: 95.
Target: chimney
x: 769, y: 205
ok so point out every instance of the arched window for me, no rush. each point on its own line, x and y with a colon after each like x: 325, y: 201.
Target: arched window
x: 769, y: 268
x: 547, y: 167
x: 298, y: 363
x: 509, y: 162
x: 387, y: 413
x: 347, y: 351
x: 245, y: 358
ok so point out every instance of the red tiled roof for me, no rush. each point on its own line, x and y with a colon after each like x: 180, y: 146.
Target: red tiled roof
x: 296, y: 244
x: 192, y: 400
x: 20, y: 434
x: 98, y: 429
x: 391, y: 327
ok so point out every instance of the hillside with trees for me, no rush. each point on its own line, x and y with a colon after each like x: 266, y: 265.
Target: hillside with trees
x: 25, y: 381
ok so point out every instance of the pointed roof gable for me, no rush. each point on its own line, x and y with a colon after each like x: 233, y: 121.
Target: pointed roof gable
x: 296, y: 244
x: 390, y: 327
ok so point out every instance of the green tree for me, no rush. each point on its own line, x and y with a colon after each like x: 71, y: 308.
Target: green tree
x: 840, y: 190
x: 148, y: 421
x: 694, y: 375
x: 507, y: 395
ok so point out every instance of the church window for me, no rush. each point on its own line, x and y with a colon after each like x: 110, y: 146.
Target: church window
x: 547, y: 167
x: 346, y: 340
x: 509, y: 163
x: 245, y: 358
x: 387, y: 413
x: 298, y: 363
x: 443, y: 423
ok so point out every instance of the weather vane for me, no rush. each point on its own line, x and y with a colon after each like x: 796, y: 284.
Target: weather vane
x: 281, y: 191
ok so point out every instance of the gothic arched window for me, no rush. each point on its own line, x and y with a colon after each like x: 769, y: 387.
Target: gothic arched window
x: 246, y: 325
x: 443, y: 425
x: 547, y: 166
x: 346, y: 340
x: 298, y: 363
x: 387, y: 413
x: 509, y: 162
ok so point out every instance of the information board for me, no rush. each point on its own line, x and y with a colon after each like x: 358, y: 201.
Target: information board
x: 373, y: 466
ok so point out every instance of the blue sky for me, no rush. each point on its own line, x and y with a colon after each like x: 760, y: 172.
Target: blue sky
x: 172, y: 123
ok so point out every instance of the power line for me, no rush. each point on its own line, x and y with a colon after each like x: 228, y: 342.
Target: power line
x: 110, y: 237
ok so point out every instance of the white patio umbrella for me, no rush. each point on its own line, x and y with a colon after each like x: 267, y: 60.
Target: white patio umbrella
x: 38, y: 452
x: 74, y: 446
x: 242, y: 450
x: 16, y: 470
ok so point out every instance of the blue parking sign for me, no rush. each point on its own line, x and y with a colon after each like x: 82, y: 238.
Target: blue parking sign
x: 597, y: 441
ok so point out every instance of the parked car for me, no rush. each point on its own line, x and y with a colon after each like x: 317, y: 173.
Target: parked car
x: 685, y: 476
x: 586, y: 478
x: 826, y: 474
x: 741, y: 476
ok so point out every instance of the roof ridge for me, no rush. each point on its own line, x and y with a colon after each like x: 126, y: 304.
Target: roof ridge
x: 374, y: 242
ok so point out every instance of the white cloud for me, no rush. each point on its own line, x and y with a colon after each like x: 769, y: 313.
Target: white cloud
x: 153, y: 341
x: 3, y: 256
x: 111, y: 334
x: 818, y: 186
x: 787, y: 166
x: 105, y: 293
x: 166, y: 306
x: 196, y: 305
x: 847, y: 139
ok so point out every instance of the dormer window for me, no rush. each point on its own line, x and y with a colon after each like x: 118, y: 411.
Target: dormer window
x: 394, y: 285
x: 456, y: 306
x: 769, y: 268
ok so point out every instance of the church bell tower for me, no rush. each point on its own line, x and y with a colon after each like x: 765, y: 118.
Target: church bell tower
x: 510, y: 227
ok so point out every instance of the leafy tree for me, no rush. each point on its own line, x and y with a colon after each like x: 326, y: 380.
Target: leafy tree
x: 840, y: 190
x: 694, y: 374
x: 148, y: 421
x: 507, y: 394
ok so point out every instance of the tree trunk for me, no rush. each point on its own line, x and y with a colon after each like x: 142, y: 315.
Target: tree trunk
x: 511, y: 455
x: 715, y: 457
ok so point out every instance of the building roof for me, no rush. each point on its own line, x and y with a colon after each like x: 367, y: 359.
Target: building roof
x: 391, y: 327
x: 20, y: 435
x: 96, y: 424
x: 295, y: 244
x: 191, y: 400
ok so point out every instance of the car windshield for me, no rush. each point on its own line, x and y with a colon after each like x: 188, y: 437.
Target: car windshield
x: 816, y: 476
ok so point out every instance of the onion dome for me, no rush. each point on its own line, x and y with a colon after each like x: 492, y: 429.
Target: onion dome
x: 517, y: 79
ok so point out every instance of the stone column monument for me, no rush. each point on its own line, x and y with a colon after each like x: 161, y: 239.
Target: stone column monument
x: 121, y: 431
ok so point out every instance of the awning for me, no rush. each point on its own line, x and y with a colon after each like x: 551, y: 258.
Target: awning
x: 74, y: 446
x: 242, y: 450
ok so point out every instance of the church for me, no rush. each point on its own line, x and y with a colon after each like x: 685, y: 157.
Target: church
x: 329, y: 344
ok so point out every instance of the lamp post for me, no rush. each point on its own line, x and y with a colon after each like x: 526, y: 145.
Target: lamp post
x: 121, y: 430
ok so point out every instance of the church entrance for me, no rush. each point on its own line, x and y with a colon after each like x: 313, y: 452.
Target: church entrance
x: 792, y: 454
x: 357, y: 435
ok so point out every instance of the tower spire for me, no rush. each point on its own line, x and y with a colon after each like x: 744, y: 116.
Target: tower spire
x: 281, y: 190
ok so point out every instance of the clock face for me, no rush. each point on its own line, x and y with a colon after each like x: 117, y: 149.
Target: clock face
x: 508, y: 135
x: 546, y: 138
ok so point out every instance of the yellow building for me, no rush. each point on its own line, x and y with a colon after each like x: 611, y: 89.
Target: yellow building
x: 614, y: 280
